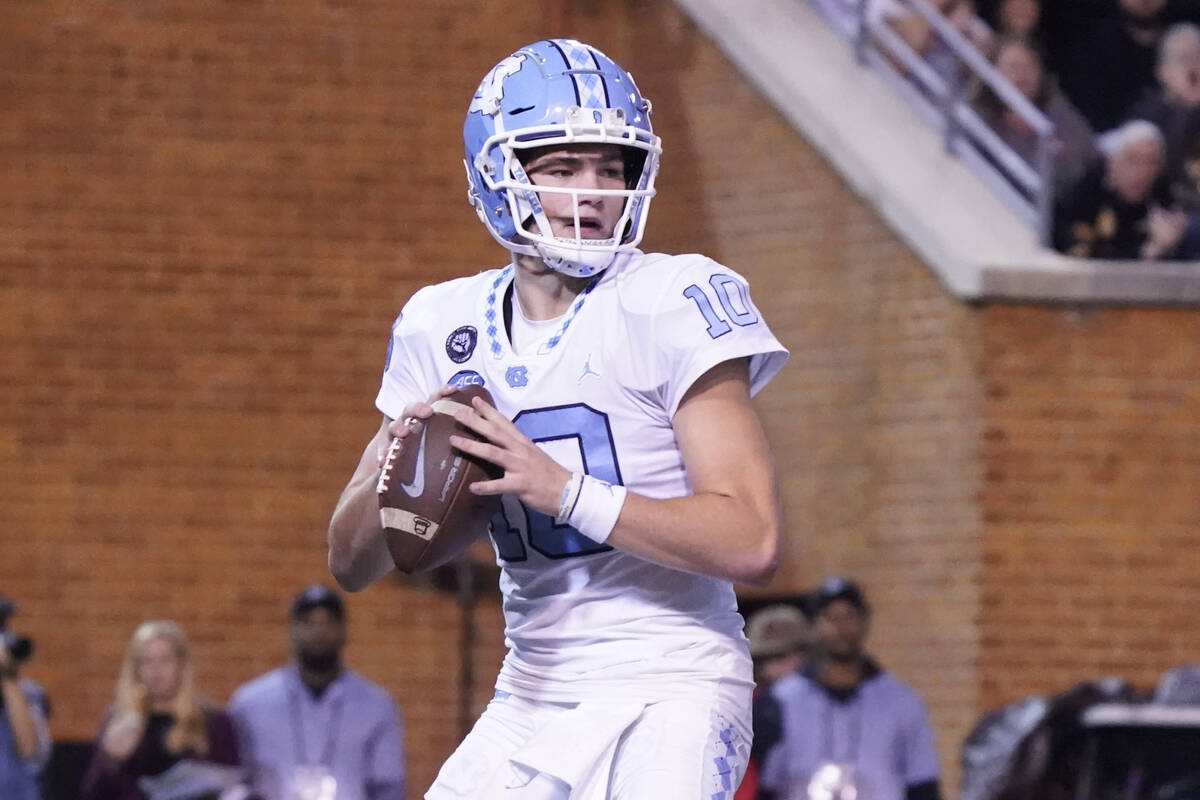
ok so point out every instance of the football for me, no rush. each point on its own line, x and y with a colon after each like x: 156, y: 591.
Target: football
x: 429, y: 514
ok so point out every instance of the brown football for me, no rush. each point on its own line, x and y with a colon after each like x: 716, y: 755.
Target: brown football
x: 429, y: 514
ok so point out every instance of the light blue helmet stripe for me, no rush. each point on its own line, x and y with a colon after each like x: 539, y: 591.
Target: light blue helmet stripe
x: 585, y: 70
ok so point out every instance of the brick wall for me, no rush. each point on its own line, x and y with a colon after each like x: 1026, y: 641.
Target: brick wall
x: 1091, y: 548
x: 211, y: 212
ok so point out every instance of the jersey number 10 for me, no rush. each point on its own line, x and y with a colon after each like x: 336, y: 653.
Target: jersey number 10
x: 516, y: 525
x: 721, y: 283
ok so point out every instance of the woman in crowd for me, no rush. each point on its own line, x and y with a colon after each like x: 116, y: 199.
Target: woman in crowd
x: 1019, y: 19
x: 926, y: 42
x: 1072, y: 149
x: 157, y: 719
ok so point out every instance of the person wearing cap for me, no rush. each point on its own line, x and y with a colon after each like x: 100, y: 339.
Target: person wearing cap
x: 779, y: 640
x: 780, y: 637
x: 313, y: 728
x: 846, y: 722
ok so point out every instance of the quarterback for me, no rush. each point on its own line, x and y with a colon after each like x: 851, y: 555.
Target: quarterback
x: 637, y: 482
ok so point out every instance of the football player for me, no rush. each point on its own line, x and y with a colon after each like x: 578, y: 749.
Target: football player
x: 637, y: 485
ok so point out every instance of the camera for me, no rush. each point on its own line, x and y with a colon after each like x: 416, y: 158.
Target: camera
x: 19, y: 648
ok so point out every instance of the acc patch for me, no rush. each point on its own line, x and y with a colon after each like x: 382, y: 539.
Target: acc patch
x: 465, y: 378
x: 461, y: 344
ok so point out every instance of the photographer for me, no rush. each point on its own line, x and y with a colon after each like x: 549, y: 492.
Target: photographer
x: 24, y: 736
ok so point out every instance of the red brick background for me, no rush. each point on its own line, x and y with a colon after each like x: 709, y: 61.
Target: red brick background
x: 1092, y: 518
x: 211, y: 212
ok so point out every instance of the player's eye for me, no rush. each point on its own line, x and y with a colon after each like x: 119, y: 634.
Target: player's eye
x: 556, y: 171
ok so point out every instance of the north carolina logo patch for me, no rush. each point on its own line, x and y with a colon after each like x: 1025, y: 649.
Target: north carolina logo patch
x: 461, y: 344
x: 517, y: 377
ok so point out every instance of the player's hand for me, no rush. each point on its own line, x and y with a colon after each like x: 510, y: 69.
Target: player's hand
x: 402, y: 426
x: 529, y: 473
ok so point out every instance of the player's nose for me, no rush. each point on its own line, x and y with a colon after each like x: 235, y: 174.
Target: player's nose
x: 590, y: 181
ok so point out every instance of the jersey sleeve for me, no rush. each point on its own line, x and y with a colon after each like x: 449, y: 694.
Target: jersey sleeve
x: 704, y: 316
x: 410, y: 370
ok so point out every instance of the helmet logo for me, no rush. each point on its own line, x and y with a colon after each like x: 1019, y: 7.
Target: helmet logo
x: 491, y: 91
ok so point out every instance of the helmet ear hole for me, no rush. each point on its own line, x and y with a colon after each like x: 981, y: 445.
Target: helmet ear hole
x: 635, y: 163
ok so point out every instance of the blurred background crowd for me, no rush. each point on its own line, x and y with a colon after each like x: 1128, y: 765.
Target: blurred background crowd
x: 312, y: 729
x: 1120, y: 82
x: 830, y: 723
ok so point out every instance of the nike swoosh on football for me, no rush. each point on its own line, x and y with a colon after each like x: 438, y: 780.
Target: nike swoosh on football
x: 417, y: 487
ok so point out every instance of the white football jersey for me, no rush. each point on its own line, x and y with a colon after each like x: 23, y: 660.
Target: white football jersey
x: 598, y: 395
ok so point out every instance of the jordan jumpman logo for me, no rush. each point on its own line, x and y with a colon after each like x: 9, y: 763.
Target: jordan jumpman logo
x: 587, y: 369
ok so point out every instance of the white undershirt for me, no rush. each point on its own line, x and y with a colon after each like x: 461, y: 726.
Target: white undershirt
x: 528, y: 335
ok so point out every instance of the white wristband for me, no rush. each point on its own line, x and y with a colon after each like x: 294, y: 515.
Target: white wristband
x: 596, y: 508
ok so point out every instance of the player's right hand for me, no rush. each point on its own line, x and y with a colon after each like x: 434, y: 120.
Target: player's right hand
x: 401, y: 427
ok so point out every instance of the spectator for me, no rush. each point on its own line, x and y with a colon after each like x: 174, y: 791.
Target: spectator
x: 1104, y: 64
x: 1175, y: 108
x: 779, y: 641
x: 921, y: 37
x: 849, y: 723
x: 24, y: 736
x: 1019, y: 19
x: 158, y: 719
x: 314, y: 725
x: 1122, y: 208
x: 1021, y: 64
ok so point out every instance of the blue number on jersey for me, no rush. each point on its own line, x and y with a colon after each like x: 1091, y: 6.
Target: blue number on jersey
x: 591, y: 430
x: 720, y: 282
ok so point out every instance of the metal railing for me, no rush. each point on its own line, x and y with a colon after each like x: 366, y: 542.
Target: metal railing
x: 1027, y: 188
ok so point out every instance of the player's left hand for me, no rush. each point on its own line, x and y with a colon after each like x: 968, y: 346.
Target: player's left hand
x: 534, y: 477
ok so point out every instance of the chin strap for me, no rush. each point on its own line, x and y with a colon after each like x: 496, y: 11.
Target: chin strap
x: 575, y: 263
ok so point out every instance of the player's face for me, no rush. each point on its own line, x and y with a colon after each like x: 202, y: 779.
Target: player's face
x: 582, y: 167
x: 160, y: 670
x: 841, y: 629
x: 318, y: 638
